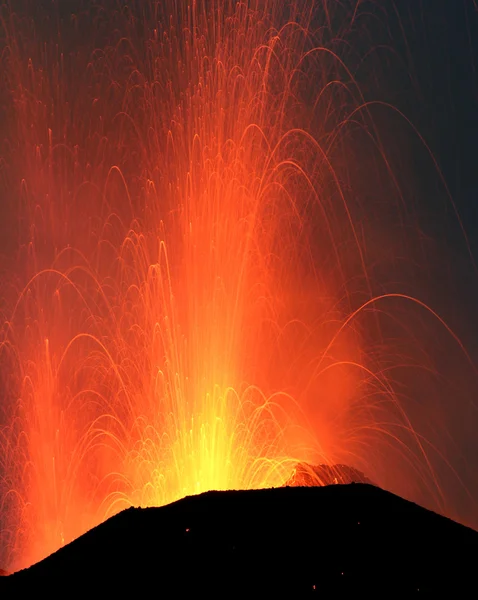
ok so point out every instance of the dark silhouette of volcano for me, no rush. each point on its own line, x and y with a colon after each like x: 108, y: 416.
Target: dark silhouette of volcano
x: 287, y: 542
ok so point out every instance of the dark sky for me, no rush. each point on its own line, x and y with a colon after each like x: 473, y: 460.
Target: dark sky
x: 438, y: 39
x: 432, y: 50
x: 442, y: 44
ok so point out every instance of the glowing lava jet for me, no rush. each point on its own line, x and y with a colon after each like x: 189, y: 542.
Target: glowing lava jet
x: 192, y: 302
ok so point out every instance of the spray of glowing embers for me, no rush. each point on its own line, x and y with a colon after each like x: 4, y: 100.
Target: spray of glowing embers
x: 204, y: 283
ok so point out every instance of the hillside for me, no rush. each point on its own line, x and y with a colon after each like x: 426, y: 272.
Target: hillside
x: 292, y: 541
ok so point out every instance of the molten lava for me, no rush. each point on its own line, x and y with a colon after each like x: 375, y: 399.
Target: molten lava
x: 192, y: 299
x: 305, y: 475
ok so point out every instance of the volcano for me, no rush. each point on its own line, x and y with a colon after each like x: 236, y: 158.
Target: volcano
x: 229, y: 242
x: 289, y: 542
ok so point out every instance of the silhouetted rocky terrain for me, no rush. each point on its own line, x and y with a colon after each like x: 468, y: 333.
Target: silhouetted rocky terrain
x: 286, y: 542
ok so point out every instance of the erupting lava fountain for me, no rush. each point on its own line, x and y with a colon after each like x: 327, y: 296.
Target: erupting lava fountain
x: 211, y: 264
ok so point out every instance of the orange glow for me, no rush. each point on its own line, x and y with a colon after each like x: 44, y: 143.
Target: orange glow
x: 192, y: 288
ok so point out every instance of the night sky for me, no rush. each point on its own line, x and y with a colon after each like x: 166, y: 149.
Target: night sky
x: 437, y: 40
x: 438, y: 43
x: 441, y: 49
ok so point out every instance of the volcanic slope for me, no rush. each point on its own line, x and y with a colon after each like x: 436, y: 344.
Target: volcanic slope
x: 285, y: 542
